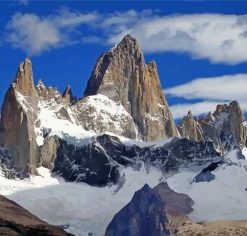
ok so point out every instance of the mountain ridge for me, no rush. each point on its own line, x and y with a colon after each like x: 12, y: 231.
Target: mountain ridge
x: 123, y: 98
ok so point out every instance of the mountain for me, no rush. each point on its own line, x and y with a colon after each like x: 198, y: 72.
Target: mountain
x: 160, y: 211
x: 151, y: 212
x: 90, y: 139
x: 119, y: 136
x: 226, y: 127
x: 123, y: 97
x: 18, y: 118
x: 16, y: 221
x: 122, y: 75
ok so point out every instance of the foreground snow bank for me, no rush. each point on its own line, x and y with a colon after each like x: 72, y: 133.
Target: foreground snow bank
x: 80, y: 206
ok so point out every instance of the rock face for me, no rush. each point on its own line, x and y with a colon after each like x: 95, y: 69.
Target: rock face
x: 99, y: 162
x: 122, y: 75
x: 144, y: 215
x: 16, y: 221
x: 68, y: 96
x: 18, y: 117
x: 226, y: 127
x: 205, y: 175
x: 148, y: 212
x: 190, y: 128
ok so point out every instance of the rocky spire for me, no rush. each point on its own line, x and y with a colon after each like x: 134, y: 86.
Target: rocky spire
x: 237, y: 125
x: 24, y: 79
x: 189, y: 128
x: 68, y: 95
x: 122, y: 75
x: 18, y: 116
x: 41, y: 89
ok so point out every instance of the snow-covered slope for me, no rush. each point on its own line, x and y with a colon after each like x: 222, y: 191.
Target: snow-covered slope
x: 64, y: 126
x: 80, y: 206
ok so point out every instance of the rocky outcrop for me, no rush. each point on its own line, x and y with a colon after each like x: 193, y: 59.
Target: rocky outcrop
x: 18, y: 117
x: 150, y: 212
x: 122, y: 75
x: 226, y: 127
x: 49, y: 94
x: 99, y: 163
x: 205, y: 175
x: 144, y: 215
x: 16, y: 221
x: 215, y: 228
x: 68, y: 96
x: 48, y: 152
x: 190, y: 128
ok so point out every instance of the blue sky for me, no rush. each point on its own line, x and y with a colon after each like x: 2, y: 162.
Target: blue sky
x: 200, y: 47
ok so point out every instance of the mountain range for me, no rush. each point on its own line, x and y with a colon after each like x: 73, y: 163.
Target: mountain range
x: 121, y: 121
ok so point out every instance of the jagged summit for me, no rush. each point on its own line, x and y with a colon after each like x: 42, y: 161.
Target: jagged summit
x: 68, y: 95
x: 225, y: 127
x: 126, y: 50
x: 128, y: 38
x: 122, y: 75
x: 24, y: 79
x: 188, y: 128
x: 130, y: 46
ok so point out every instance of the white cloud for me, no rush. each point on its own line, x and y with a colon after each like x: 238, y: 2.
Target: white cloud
x: 32, y: 34
x: 213, y: 90
x: 219, y: 38
x: 222, y: 88
x: 35, y: 34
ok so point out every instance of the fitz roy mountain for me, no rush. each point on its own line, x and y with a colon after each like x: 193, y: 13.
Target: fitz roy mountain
x: 122, y: 124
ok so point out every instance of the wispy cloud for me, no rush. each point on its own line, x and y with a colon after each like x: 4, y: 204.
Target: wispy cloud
x: 35, y: 34
x: 217, y: 37
x: 227, y: 87
x: 212, y: 91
